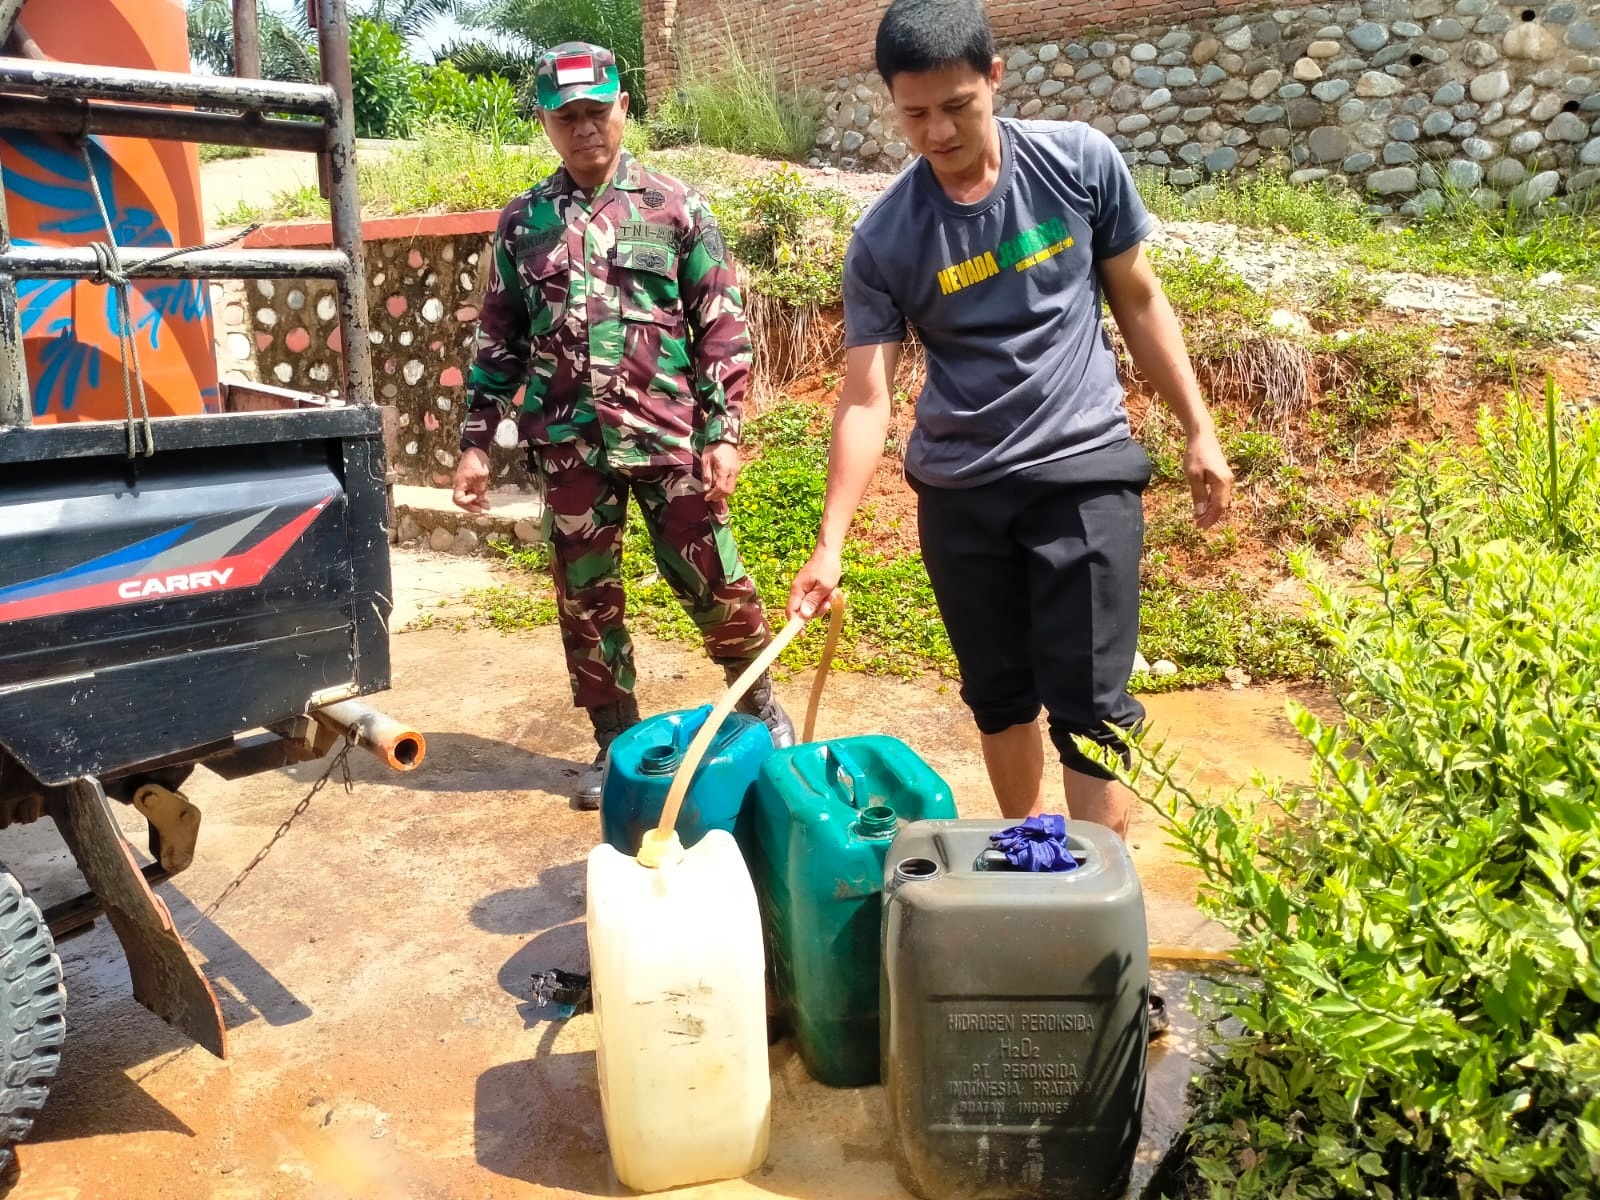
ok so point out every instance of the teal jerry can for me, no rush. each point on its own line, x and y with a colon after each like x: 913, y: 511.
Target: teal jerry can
x: 644, y: 759
x: 823, y: 818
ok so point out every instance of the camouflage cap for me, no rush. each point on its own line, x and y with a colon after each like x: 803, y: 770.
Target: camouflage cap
x: 575, y: 71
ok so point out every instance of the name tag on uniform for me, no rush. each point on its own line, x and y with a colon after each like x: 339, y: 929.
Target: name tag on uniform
x: 532, y: 241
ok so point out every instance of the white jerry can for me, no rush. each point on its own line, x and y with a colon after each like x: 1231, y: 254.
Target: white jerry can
x: 677, y: 976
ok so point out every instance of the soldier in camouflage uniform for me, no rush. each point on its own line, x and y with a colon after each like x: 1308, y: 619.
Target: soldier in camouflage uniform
x: 611, y: 298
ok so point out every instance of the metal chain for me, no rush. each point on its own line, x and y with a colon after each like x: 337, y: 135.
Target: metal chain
x: 339, y: 763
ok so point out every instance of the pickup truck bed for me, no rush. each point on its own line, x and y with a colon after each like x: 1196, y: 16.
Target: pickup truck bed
x: 150, y: 607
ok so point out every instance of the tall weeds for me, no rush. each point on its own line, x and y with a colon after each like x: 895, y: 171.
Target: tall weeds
x: 735, y: 96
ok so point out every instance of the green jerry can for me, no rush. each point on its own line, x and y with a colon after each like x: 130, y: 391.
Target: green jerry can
x: 1015, y: 1023
x: 825, y: 814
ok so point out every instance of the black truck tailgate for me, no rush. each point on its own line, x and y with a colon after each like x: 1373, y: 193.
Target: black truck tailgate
x: 151, y: 606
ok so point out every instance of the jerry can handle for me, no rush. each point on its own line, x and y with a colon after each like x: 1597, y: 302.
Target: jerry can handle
x: 843, y: 773
x: 686, y: 730
x: 680, y: 731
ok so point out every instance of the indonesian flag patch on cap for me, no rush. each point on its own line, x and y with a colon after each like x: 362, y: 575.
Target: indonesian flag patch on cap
x: 574, y: 68
x: 576, y: 71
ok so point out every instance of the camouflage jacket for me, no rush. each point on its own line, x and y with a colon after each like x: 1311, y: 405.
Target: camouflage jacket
x: 621, y: 313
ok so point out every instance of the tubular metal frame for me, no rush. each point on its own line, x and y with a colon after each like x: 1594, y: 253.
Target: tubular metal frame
x: 73, y: 98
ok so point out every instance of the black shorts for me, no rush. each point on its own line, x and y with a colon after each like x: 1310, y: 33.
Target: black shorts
x: 1038, y: 584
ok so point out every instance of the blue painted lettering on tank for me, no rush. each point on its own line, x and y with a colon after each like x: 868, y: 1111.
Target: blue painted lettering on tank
x: 67, y: 363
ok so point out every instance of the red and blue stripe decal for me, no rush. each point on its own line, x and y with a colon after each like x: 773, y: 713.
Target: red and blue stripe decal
x: 178, y: 562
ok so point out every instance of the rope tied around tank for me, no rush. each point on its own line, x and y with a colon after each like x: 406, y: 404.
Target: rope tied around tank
x: 109, y: 271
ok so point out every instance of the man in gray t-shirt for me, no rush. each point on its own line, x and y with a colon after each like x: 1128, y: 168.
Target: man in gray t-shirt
x: 998, y: 246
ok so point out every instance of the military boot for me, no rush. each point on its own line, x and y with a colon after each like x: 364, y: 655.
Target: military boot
x: 609, y: 720
x: 759, y: 702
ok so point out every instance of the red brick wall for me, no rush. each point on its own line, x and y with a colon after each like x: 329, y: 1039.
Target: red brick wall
x: 815, y: 41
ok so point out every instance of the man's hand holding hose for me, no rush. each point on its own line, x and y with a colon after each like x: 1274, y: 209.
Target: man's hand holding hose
x: 815, y: 586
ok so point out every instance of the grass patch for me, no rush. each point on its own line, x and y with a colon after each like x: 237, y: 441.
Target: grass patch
x: 1343, y: 298
x: 893, y: 625
x: 213, y: 153
x: 1465, y: 239
x: 1459, y: 239
x: 1206, y: 630
x: 296, y: 204
x: 1198, y: 285
x: 507, y: 607
x: 1368, y: 379
x: 1265, y: 200
x: 448, y: 168
x: 734, y: 98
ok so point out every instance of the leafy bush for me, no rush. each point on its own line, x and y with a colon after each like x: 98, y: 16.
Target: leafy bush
x: 789, y: 237
x: 383, y: 81
x: 485, y: 105
x: 1424, y: 917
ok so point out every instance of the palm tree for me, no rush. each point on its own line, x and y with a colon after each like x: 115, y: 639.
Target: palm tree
x: 411, y: 18
x: 288, y: 50
x: 533, y: 26
x: 288, y: 47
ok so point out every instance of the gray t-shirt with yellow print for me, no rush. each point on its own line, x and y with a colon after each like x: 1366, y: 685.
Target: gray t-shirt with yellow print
x: 1005, y: 297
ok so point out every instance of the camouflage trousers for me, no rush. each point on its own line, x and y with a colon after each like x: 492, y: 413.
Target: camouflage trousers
x: 586, y: 511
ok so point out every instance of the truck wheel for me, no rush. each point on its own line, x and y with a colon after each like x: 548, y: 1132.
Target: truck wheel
x: 33, y: 1021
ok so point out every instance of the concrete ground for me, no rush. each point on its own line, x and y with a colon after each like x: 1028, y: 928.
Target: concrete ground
x: 225, y: 182
x: 374, y: 970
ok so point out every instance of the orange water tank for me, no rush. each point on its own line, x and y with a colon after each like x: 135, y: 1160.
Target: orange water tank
x: 152, y: 191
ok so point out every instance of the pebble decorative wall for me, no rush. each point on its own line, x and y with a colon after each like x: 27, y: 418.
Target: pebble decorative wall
x: 1406, y: 100
x: 422, y: 298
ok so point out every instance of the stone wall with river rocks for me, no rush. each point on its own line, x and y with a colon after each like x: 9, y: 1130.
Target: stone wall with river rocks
x: 423, y: 292
x: 1405, y: 100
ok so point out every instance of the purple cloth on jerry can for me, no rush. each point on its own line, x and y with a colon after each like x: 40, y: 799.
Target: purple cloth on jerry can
x: 1038, y: 844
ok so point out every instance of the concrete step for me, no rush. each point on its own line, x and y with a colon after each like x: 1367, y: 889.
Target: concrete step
x: 427, y: 517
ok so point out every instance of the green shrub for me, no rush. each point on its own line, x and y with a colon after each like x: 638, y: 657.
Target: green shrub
x: 383, y: 81
x: 1424, y: 916
x: 789, y: 237
x: 485, y: 105
x: 1253, y: 454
